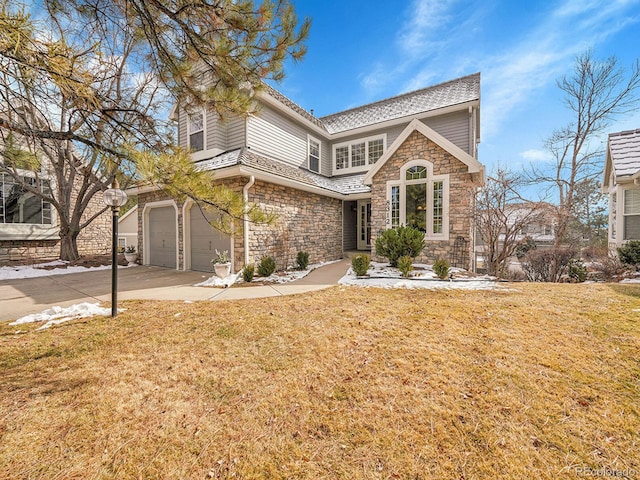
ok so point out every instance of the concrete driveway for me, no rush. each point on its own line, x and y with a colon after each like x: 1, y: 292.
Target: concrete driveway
x: 33, y: 295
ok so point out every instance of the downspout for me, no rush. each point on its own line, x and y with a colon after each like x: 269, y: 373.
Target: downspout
x: 245, y: 218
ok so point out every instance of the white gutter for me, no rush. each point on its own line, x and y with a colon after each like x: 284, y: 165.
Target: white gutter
x: 245, y: 198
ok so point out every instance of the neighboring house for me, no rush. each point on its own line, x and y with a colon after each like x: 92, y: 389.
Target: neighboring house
x: 621, y: 181
x: 334, y: 182
x: 128, y: 228
x: 536, y: 220
x: 29, y: 227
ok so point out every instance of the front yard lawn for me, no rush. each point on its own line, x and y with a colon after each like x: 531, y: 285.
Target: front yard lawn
x: 542, y: 381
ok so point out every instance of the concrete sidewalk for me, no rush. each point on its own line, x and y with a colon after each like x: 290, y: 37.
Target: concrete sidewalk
x: 33, y: 295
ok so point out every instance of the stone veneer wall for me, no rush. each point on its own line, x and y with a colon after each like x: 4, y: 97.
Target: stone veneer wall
x: 461, y: 191
x: 305, y: 221
x: 95, y: 239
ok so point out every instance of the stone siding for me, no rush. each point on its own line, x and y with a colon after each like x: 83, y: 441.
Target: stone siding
x: 461, y: 192
x: 305, y: 221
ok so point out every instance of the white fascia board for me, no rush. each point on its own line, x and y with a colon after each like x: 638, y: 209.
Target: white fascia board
x: 285, y: 182
x: 474, y: 166
x: 401, y: 120
x: 129, y: 212
x: 173, y: 114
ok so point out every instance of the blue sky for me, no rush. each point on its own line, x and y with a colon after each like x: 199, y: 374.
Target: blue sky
x: 360, y: 51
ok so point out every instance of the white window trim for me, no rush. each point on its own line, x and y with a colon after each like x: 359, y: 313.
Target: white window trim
x: 402, y: 183
x: 200, y: 155
x: 350, y: 143
x: 621, y: 213
x: 309, y: 139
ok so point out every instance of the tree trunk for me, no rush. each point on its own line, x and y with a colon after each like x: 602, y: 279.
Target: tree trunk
x: 69, y: 247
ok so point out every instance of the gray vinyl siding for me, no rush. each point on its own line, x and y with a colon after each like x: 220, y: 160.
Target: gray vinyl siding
x: 182, y: 128
x: 235, y: 132
x: 278, y: 137
x: 215, y: 134
x: 454, y: 127
x: 326, y: 156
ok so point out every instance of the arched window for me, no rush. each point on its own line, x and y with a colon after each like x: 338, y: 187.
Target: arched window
x: 419, y: 199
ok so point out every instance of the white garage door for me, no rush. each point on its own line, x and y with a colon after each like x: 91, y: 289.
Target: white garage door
x: 162, y: 237
x: 205, y: 240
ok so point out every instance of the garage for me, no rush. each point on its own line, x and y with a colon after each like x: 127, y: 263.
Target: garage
x: 204, y: 241
x: 162, y: 237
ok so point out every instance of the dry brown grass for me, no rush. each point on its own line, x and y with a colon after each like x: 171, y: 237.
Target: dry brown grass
x: 344, y: 383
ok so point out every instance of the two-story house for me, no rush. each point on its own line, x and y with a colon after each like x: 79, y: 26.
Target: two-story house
x: 621, y: 181
x: 334, y: 182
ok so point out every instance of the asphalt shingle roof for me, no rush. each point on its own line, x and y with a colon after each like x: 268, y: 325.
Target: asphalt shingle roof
x: 348, y: 184
x: 625, y: 152
x: 445, y: 94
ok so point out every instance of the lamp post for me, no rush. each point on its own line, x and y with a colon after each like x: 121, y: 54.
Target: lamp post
x: 115, y: 198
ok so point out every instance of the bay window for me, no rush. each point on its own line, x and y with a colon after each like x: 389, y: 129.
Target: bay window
x: 419, y: 199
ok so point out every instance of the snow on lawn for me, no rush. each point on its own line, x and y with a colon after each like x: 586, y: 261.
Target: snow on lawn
x: 276, y: 277
x: 56, y: 315
x: 37, y: 270
x: 384, y: 276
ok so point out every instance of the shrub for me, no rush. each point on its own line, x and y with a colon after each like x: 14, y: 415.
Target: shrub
x: 524, y: 246
x: 441, y: 268
x: 266, y: 266
x: 577, y: 270
x: 610, y: 267
x: 548, y: 265
x: 398, y: 242
x: 405, y: 265
x: 629, y: 254
x: 247, y: 272
x: 360, y: 264
x: 302, y: 260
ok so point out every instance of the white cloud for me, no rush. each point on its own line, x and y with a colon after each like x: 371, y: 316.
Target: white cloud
x: 534, y: 155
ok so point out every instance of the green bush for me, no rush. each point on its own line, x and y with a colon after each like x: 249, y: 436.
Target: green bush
x: 360, y: 264
x: 302, y: 260
x: 399, y: 242
x: 629, y: 254
x: 441, y: 268
x: 266, y: 266
x: 405, y: 265
x: 577, y: 270
x: 247, y: 272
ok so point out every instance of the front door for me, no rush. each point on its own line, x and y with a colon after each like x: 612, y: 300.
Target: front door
x: 364, y: 224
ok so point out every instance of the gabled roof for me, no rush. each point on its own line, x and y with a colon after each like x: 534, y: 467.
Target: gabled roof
x: 474, y: 166
x: 623, y: 155
x: 453, y: 92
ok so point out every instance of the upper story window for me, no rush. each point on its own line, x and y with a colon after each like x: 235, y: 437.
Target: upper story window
x: 358, y: 155
x: 19, y: 205
x: 631, y: 213
x: 314, y: 147
x: 196, y: 131
x: 419, y: 199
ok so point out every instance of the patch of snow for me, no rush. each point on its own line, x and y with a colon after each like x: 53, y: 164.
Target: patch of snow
x: 37, y: 270
x: 56, y: 315
x: 383, y: 276
x: 216, y: 281
x: 630, y: 280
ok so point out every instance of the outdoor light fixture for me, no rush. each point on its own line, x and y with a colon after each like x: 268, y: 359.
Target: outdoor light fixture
x: 114, y: 198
